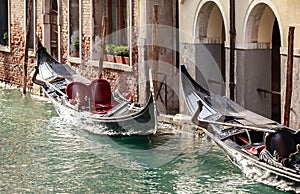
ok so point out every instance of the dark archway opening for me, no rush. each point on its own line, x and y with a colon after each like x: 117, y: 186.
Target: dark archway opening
x: 210, y: 53
x: 276, y: 85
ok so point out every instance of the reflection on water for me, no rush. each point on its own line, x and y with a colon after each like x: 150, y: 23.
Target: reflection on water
x: 40, y: 153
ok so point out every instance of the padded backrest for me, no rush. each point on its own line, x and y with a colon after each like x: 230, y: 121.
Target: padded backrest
x: 79, y: 88
x: 100, y: 92
x: 283, y: 141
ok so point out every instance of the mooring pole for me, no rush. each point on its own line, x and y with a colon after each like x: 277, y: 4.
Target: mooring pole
x: 155, y: 48
x: 232, y: 85
x: 289, y: 77
x: 25, y: 64
x: 103, y: 33
x: 177, y: 38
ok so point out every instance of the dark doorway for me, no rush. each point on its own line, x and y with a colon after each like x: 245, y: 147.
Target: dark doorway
x: 276, y: 98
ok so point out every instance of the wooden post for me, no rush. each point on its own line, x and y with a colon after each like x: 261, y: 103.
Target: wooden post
x: 103, y: 33
x: 25, y: 65
x: 155, y: 48
x: 177, y: 38
x: 232, y: 84
x: 289, y: 77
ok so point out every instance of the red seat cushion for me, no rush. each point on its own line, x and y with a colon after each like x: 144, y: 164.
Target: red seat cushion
x: 79, y: 89
x: 255, y: 149
x: 98, y: 91
x: 101, y: 94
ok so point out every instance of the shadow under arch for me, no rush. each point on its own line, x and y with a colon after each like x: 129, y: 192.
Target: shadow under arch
x: 260, y: 70
x: 210, y: 35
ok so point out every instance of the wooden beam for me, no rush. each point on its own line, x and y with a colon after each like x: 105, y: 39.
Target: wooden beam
x: 155, y: 48
x: 289, y: 77
x: 25, y: 64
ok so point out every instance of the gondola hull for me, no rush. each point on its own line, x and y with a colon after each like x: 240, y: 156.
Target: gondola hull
x: 258, y: 170
x: 122, y: 118
x: 260, y: 166
x: 142, y: 122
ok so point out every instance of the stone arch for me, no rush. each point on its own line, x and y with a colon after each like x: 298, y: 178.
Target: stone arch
x: 210, y: 35
x: 261, y: 60
x: 208, y: 22
x: 257, y: 25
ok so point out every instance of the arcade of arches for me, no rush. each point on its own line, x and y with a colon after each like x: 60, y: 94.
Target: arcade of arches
x: 260, y: 52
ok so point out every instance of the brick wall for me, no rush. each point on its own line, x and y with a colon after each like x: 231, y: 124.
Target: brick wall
x: 11, y: 63
x: 86, y: 30
x: 64, y: 29
x: 134, y: 32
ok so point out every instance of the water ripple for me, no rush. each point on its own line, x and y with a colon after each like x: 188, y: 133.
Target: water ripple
x: 41, y: 153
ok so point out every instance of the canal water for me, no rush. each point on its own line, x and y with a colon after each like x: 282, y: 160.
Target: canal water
x: 42, y: 153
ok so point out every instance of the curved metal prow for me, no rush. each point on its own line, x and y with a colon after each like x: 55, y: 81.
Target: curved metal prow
x: 36, y: 81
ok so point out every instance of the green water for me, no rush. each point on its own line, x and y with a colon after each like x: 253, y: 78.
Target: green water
x: 42, y: 153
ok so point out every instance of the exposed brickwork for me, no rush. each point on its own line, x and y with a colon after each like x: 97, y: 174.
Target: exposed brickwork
x: 64, y: 29
x: 135, y: 46
x: 134, y: 32
x: 11, y: 63
x: 123, y: 81
x: 86, y: 29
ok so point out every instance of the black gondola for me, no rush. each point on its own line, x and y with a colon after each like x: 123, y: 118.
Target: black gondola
x: 91, y: 104
x: 263, y: 149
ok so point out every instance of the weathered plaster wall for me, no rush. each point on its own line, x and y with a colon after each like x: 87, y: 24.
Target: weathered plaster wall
x: 287, y: 15
x: 167, y: 73
x: 253, y: 44
x: 188, y: 12
x: 187, y: 58
x: 295, y: 105
x: 252, y: 75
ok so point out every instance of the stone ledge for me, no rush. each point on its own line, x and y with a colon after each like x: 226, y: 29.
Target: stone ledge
x: 178, y: 118
x: 75, y: 60
x: 4, y: 49
x: 180, y: 122
x: 7, y: 85
x: 109, y: 65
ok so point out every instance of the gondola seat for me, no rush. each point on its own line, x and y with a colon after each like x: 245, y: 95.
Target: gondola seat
x: 284, y: 141
x: 78, y: 90
x: 255, y: 149
x: 101, y: 96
